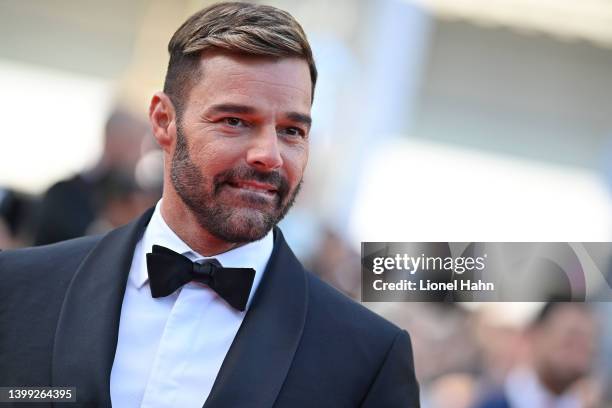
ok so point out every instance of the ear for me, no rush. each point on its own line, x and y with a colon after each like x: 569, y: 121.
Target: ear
x: 162, y: 116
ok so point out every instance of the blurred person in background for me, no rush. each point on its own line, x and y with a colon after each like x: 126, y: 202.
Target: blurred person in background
x: 121, y: 199
x: 337, y: 263
x: 70, y: 206
x: 562, y: 346
x: 16, y: 214
x: 500, y: 340
x: 451, y: 390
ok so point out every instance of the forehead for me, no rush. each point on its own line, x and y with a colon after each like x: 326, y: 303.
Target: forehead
x: 569, y: 316
x: 261, y: 82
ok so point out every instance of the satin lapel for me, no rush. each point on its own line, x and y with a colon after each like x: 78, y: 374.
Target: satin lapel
x: 262, y: 352
x: 86, y: 334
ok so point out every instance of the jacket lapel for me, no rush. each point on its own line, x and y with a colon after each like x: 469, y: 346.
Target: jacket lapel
x: 262, y: 352
x: 86, y: 334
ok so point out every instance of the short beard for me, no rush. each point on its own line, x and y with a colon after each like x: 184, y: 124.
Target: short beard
x: 229, y: 224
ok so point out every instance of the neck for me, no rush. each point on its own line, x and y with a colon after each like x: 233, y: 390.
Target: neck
x: 185, y: 225
x: 554, y: 387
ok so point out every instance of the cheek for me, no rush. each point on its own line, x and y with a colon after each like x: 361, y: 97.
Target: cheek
x: 215, y: 155
x: 295, y: 163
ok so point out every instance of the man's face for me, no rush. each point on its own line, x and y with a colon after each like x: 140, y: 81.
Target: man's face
x: 242, y: 144
x: 565, y: 346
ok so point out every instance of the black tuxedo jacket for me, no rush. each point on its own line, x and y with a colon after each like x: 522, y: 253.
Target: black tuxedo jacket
x: 301, y: 344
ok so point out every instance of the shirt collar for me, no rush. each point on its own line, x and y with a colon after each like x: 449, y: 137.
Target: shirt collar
x: 252, y: 255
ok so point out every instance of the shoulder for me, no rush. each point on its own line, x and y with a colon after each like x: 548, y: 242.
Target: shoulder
x: 332, y: 309
x: 47, y: 263
x: 34, y: 283
x: 328, y: 309
x: 64, y: 187
x: 351, y: 351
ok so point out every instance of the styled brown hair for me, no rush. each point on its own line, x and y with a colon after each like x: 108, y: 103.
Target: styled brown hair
x: 241, y: 28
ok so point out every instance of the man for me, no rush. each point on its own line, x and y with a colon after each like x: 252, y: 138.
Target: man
x: 119, y: 317
x: 70, y: 206
x: 562, y: 343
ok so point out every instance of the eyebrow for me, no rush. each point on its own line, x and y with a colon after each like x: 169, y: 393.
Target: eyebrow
x: 300, y: 118
x: 248, y: 110
x: 231, y: 108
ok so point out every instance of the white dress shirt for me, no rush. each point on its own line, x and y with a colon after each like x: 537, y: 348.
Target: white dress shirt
x: 170, y: 349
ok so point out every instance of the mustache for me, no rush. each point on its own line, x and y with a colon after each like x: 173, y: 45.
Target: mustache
x: 273, y: 178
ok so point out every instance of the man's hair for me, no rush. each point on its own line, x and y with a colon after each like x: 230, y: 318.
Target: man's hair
x: 240, y: 28
x: 554, y: 304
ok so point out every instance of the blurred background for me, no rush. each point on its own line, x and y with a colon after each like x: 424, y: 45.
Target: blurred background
x: 435, y: 120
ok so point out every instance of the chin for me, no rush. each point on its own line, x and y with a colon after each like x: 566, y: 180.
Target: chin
x: 244, y: 225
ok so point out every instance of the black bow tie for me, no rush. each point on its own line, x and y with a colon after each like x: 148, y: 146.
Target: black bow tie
x: 169, y: 270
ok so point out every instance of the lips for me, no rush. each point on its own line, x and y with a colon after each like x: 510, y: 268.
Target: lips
x: 254, y: 186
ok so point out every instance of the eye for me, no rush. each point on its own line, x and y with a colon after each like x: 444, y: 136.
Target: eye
x: 234, y: 122
x: 293, y: 132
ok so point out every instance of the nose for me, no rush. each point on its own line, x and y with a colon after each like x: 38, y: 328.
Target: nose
x: 264, y: 152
